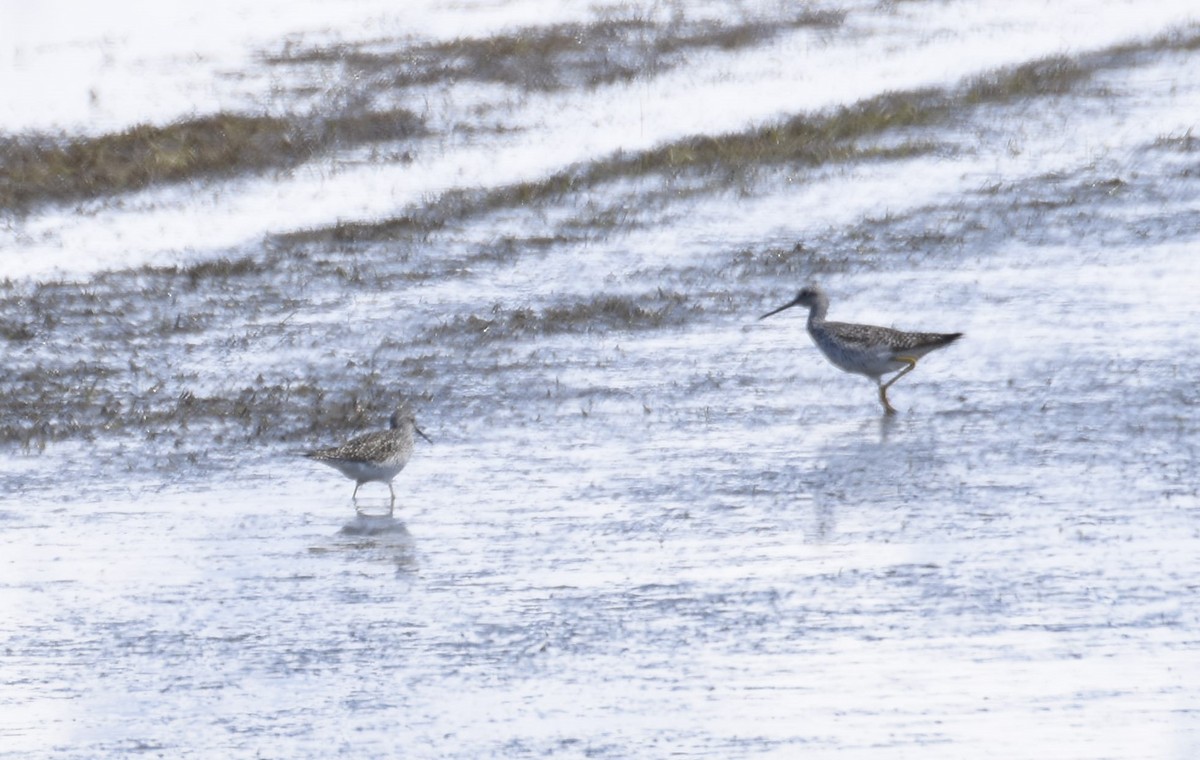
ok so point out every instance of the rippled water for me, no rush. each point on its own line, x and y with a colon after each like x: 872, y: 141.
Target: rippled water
x: 697, y: 540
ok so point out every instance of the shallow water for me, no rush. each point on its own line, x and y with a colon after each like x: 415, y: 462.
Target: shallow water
x: 694, y: 539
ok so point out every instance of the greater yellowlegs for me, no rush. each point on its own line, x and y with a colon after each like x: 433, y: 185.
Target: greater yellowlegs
x: 865, y: 349
x: 374, y: 457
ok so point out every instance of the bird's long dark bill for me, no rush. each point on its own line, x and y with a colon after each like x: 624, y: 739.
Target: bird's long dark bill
x: 787, y: 305
x: 420, y: 433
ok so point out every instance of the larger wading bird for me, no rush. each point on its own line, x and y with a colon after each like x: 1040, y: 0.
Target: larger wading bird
x: 865, y: 349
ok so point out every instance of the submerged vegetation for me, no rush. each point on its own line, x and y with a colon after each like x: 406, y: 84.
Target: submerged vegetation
x: 131, y: 370
x: 856, y: 132
x: 554, y: 57
x: 601, y: 314
x: 37, y: 169
x: 40, y: 169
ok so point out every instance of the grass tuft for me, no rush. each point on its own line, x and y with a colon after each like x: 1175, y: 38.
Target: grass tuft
x: 1050, y: 76
x: 554, y: 57
x: 39, y: 169
x: 604, y: 313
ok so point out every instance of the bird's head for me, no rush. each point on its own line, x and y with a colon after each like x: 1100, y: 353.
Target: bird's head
x: 808, y: 297
x: 405, y: 416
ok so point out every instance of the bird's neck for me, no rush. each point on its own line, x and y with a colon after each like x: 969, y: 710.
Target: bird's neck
x: 816, y: 312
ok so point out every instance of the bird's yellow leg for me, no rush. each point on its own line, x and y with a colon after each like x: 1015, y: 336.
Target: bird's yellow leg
x: 910, y: 361
x: 883, y: 399
x: 883, y: 387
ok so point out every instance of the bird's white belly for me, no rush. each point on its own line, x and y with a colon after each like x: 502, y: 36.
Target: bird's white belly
x: 873, y: 362
x: 364, y: 472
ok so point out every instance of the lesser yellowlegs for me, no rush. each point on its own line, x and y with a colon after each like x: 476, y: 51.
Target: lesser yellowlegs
x: 374, y: 457
x: 865, y: 349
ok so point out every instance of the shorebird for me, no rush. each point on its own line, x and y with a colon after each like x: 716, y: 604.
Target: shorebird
x: 374, y: 457
x: 865, y: 349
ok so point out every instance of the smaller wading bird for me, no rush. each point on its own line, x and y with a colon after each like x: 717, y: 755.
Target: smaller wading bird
x: 865, y: 349
x: 374, y: 457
